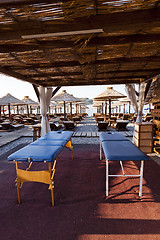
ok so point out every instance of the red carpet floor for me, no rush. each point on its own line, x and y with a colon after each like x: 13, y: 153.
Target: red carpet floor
x: 81, y: 210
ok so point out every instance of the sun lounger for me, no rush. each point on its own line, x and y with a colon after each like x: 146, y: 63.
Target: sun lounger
x: 69, y: 125
x: 117, y: 148
x: 102, y: 125
x: 121, y: 125
x: 76, y: 119
x: 17, y: 126
x: 6, y: 126
x: 100, y: 119
x: 46, y: 149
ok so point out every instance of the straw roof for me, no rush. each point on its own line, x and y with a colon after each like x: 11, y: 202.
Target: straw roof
x: 9, y: 99
x: 154, y: 91
x: 29, y: 101
x: 125, y: 100
x: 82, y: 42
x: 64, y: 96
x: 53, y: 104
x: 109, y: 93
x: 97, y: 103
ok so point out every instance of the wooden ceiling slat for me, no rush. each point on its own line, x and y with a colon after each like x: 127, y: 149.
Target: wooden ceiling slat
x: 145, y: 71
x: 91, y: 82
x: 15, y: 3
x: 97, y: 62
x: 95, y: 41
x: 16, y: 75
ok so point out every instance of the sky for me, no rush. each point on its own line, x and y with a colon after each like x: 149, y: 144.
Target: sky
x: 19, y: 89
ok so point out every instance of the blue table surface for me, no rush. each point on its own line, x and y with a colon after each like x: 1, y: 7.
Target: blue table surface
x: 122, y: 150
x: 49, y: 142
x: 45, y: 148
x: 112, y: 136
x: 36, y: 153
x: 65, y: 135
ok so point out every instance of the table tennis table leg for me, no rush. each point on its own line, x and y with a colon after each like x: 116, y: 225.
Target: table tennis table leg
x: 141, y: 178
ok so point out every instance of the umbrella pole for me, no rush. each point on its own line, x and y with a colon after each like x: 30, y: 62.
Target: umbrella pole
x: 64, y: 111
x: 105, y: 107
x: 17, y: 110
x: 102, y: 107
x: 129, y: 108
x: 76, y: 108
x: 124, y: 108
x: 3, y: 111
x: 0, y: 111
x: 109, y: 108
x: 27, y: 110
x: 71, y: 109
x: 9, y: 111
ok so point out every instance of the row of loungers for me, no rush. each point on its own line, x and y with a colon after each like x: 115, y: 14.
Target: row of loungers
x: 48, y: 147
x: 6, y: 126
x: 120, y: 125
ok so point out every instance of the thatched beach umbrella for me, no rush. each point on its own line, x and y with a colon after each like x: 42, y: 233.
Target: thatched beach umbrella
x: 8, y: 100
x: 29, y: 102
x: 53, y: 105
x: 98, y: 105
x: 125, y: 101
x: 109, y: 94
x: 65, y: 97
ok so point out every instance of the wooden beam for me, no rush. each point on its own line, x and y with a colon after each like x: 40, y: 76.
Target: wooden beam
x: 73, y: 82
x: 85, y: 79
x: 97, y: 62
x: 95, y: 41
x: 13, y: 74
x: 93, y: 82
x: 15, y: 3
x: 55, y: 90
x: 58, y: 74
x: 110, y: 23
x: 36, y: 91
x: 147, y: 87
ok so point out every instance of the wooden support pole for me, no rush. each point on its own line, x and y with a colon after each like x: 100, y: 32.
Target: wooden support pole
x: 109, y: 108
x: 64, y: 110
x: 56, y: 90
x: 36, y: 91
